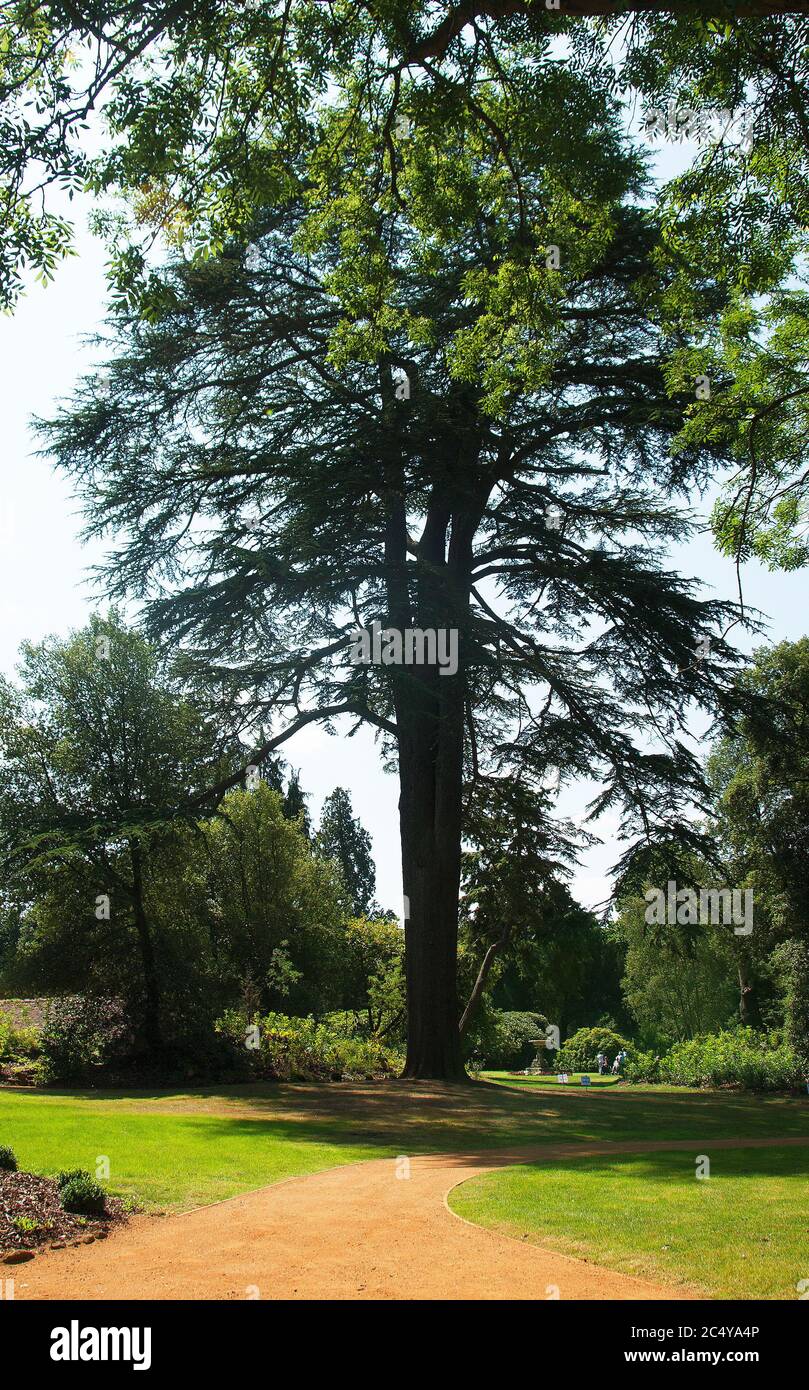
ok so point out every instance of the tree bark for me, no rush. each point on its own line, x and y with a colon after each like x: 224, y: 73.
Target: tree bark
x: 432, y: 593
x: 459, y: 15
x: 431, y: 781
x: 151, y: 1012
x: 430, y: 729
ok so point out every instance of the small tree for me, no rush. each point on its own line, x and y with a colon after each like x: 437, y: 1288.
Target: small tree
x: 677, y: 985
x: 761, y: 781
x: 97, y: 750
x: 512, y: 877
x: 295, y: 805
x: 276, y: 910
x: 343, y: 838
x: 374, y: 974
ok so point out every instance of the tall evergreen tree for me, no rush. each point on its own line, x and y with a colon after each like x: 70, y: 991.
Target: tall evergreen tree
x: 342, y: 837
x: 295, y: 804
x: 520, y: 507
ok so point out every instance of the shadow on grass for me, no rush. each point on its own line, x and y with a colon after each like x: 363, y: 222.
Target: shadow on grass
x: 438, y: 1117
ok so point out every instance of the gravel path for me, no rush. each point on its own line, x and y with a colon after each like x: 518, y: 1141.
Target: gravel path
x: 355, y: 1232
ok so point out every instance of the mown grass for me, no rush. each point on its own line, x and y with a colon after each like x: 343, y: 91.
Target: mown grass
x: 508, y: 1078
x: 166, y: 1160
x: 741, y: 1233
x: 176, y: 1149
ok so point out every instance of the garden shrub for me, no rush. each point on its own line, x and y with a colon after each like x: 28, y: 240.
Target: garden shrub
x: 500, y: 1039
x: 580, y: 1051
x: 756, y: 1061
x: 300, y: 1049
x: 82, y: 1195
x: 8, y: 1159
x: 79, y: 1036
x: 642, y: 1066
x: 17, y: 1041
x: 68, y: 1174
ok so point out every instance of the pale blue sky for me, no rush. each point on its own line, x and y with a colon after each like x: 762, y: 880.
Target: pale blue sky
x: 42, y: 565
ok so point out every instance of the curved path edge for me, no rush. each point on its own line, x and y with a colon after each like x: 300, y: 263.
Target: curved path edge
x: 358, y: 1231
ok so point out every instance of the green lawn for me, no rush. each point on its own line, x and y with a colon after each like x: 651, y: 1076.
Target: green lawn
x: 179, y: 1150
x: 742, y: 1233
x: 507, y: 1078
x: 169, y: 1160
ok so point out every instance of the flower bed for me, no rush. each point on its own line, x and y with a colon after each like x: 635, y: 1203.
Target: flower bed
x: 32, y: 1216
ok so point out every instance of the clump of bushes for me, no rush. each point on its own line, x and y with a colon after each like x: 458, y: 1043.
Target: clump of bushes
x: 500, y: 1039
x: 80, y: 1036
x: 282, y: 1048
x: 743, y: 1057
x: 81, y: 1194
x: 17, y: 1042
x: 8, y: 1159
x: 642, y: 1066
x: 580, y: 1051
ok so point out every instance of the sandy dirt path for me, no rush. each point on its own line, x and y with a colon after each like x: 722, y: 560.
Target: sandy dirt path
x: 356, y: 1232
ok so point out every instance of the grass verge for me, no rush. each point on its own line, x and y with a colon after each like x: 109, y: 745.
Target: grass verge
x: 740, y: 1233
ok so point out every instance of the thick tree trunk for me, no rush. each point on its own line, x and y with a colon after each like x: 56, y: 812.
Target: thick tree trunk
x: 430, y: 817
x: 430, y: 731
x: 151, y: 988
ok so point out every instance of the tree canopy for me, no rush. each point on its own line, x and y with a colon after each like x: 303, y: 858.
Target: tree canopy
x: 432, y: 351
x: 186, y: 121
x: 98, y: 747
x: 271, y: 491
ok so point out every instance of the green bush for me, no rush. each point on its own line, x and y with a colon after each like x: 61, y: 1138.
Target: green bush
x: 299, y: 1049
x: 82, y: 1194
x: 79, y: 1036
x: 580, y: 1051
x: 500, y: 1039
x: 68, y: 1174
x: 16, y: 1041
x: 642, y: 1066
x: 8, y: 1159
x: 743, y: 1057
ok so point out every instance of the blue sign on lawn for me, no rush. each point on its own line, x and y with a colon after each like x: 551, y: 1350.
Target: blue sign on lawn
x: 585, y: 1081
